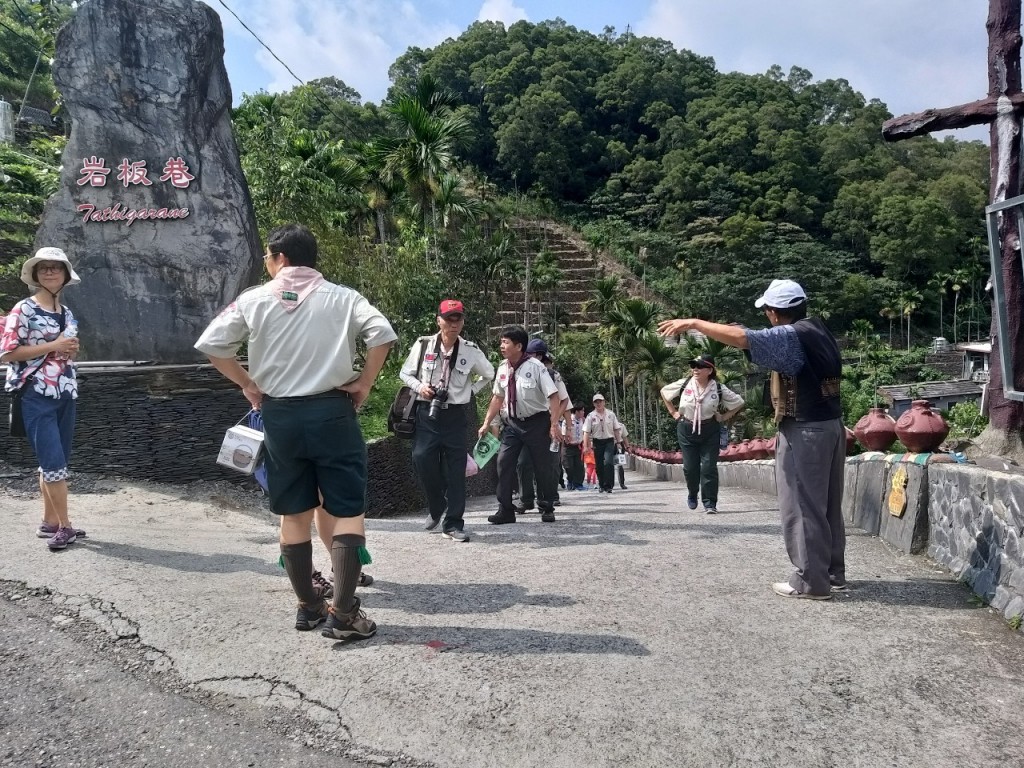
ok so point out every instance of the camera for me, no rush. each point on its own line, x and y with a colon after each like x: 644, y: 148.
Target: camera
x: 439, y: 399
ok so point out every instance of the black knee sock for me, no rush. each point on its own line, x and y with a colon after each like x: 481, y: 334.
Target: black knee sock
x: 298, y: 563
x: 345, y: 559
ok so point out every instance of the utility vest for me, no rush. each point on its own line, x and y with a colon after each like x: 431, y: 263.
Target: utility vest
x: 813, y: 394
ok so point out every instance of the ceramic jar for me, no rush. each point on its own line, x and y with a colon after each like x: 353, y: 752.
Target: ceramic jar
x: 921, y: 429
x: 876, y: 430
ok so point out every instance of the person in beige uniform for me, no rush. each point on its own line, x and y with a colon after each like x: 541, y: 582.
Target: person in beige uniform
x: 527, y: 397
x: 699, y: 403
x: 302, y: 332
x: 601, y: 431
x: 446, y: 371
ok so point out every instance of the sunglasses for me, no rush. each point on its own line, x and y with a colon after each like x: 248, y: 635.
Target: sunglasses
x: 699, y: 366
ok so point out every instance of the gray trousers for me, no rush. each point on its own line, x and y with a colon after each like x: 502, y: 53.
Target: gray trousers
x: 810, y: 460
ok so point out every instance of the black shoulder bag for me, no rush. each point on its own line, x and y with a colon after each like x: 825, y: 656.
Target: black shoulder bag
x: 402, y: 416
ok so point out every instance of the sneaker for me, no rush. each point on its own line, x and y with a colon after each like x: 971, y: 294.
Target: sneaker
x: 547, y: 517
x: 838, y: 586
x: 783, y: 589
x: 556, y: 503
x: 310, y: 617
x: 710, y: 510
x: 691, y: 502
x: 61, y: 539
x: 580, y: 488
x: 500, y: 519
x: 623, y: 487
x: 456, y: 535
x: 432, y: 523
x: 365, y: 579
x: 46, y: 531
x: 323, y: 587
x: 350, y: 626
x: 522, y: 509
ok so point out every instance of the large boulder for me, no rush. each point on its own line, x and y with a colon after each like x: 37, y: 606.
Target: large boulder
x: 153, y: 208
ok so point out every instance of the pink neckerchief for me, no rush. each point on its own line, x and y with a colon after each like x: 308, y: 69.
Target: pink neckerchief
x: 293, y: 285
x: 698, y: 397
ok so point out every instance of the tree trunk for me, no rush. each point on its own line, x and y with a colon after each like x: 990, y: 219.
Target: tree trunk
x: 1003, y: 434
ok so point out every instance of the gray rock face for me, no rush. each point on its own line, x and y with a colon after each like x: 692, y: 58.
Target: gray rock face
x: 153, y: 208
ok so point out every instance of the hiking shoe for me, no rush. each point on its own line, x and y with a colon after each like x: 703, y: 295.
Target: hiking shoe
x: 365, y: 579
x: 783, y: 589
x: 46, y: 531
x: 691, y: 502
x: 623, y: 487
x: 547, y: 516
x: 710, y: 510
x: 61, y: 539
x: 310, y: 617
x: 432, y: 523
x: 456, y: 535
x: 522, y: 509
x: 323, y: 587
x: 500, y: 519
x: 350, y: 626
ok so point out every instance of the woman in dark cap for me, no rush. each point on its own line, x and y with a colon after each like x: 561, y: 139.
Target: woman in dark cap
x: 698, y: 403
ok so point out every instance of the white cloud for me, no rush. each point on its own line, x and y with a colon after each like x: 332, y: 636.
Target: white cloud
x: 505, y: 11
x: 913, y: 54
x: 352, y: 40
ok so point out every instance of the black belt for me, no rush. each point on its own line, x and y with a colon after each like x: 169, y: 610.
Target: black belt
x: 317, y: 396
x: 527, y: 418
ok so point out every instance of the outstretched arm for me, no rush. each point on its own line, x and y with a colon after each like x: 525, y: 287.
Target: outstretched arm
x: 733, y: 335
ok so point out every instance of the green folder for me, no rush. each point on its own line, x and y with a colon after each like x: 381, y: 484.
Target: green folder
x: 486, y: 448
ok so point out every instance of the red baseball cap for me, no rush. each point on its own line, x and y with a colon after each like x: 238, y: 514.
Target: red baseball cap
x: 451, y: 307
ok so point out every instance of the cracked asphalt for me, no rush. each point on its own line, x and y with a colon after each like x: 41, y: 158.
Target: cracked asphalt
x: 631, y: 631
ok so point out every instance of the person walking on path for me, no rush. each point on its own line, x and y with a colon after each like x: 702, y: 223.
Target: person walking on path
x: 538, y: 349
x: 601, y: 431
x: 573, y: 449
x: 699, y: 403
x: 527, y: 397
x: 39, y: 344
x: 302, y: 333
x: 810, y: 455
x: 446, y: 371
x: 620, y: 469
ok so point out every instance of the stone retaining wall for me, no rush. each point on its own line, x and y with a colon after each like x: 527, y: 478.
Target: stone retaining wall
x: 968, y: 519
x: 166, y: 423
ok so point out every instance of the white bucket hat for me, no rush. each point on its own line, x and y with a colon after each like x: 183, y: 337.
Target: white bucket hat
x: 782, y: 294
x: 47, y: 254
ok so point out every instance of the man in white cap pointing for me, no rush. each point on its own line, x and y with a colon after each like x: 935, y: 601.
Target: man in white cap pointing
x: 810, y: 455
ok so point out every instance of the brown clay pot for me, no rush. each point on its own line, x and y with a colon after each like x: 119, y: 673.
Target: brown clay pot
x: 921, y: 429
x: 876, y: 430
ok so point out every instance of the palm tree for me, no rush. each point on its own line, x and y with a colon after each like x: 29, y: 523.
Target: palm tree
x: 651, y: 365
x: 908, y: 301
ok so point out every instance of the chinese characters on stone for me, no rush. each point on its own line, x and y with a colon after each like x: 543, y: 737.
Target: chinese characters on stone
x: 94, y: 172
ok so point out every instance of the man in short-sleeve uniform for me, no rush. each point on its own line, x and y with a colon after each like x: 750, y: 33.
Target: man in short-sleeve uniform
x: 538, y: 349
x: 439, y: 447
x: 302, y: 332
x: 811, y: 452
x: 527, y: 397
x: 602, y: 431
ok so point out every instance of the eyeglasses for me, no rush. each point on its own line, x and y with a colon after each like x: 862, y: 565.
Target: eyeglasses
x: 50, y: 268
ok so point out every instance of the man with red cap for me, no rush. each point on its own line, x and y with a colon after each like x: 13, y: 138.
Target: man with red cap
x: 446, y: 371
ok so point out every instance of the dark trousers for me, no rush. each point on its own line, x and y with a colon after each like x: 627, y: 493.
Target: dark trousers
x: 810, y: 464
x: 700, y: 459
x: 604, y: 453
x: 439, y: 458
x: 524, y: 469
x: 572, y: 460
x: 532, y: 435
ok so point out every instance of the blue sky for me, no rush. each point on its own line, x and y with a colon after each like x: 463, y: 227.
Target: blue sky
x: 911, y: 54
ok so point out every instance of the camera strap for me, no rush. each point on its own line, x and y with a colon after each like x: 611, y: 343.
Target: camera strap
x: 446, y: 370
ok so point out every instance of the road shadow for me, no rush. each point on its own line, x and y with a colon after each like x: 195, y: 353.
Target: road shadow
x: 504, y: 642
x: 176, y: 560
x: 927, y: 593
x: 438, y: 599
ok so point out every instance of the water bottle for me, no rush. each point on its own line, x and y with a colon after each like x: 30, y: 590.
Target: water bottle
x: 70, y: 332
x: 555, y: 446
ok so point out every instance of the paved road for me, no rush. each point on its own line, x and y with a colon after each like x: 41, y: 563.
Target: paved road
x: 630, y: 632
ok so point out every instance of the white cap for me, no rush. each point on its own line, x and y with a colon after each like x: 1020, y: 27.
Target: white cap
x: 782, y: 294
x: 47, y: 254
x: 598, y: 396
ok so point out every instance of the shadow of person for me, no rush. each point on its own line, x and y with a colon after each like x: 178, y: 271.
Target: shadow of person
x: 437, y: 599
x: 928, y: 593
x: 176, y: 560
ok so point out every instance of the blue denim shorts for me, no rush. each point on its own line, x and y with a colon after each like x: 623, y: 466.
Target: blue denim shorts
x: 50, y: 426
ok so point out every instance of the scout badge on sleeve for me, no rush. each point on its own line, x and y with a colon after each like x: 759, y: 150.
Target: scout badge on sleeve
x: 485, y: 449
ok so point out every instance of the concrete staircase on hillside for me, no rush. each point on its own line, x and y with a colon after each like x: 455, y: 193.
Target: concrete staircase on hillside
x: 580, y: 268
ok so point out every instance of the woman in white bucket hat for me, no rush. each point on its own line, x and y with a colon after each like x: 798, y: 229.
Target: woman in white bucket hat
x: 39, y: 343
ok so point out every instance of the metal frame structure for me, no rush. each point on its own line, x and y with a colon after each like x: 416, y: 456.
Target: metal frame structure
x: 999, y: 290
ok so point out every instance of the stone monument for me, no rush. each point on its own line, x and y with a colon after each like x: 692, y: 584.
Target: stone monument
x: 152, y: 208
